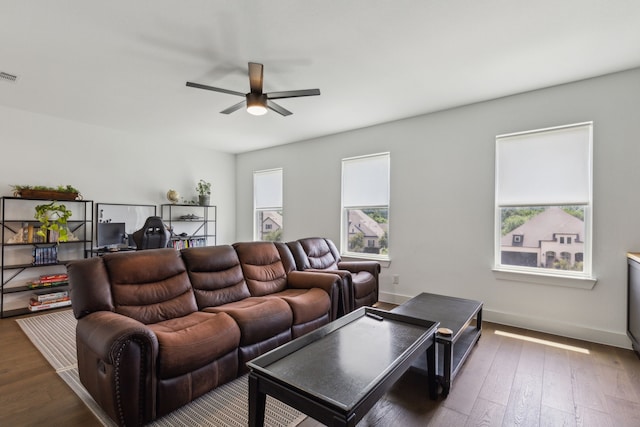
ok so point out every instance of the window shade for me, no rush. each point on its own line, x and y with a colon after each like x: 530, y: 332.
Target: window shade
x: 267, y: 189
x: 365, y: 181
x: 546, y: 167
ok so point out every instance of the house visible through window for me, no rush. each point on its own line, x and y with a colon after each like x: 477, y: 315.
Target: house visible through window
x: 267, y: 199
x: 543, y: 201
x: 365, y: 205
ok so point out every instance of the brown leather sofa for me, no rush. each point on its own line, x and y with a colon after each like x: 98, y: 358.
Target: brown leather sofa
x: 159, y: 328
x: 359, y: 278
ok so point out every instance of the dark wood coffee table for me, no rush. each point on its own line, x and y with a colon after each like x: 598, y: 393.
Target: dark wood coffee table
x: 455, y: 314
x: 335, y: 374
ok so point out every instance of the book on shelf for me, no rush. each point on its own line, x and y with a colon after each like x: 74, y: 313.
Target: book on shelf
x: 49, y: 281
x: 48, y: 305
x: 47, y: 296
x: 45, y: 255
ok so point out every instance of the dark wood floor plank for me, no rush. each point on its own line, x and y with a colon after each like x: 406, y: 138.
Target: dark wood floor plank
x: 485, y: 414
x: 552, y: 417
x: 523, y: 408
x: 497, y: 384
x: 623, y: 412
x: 462, y: 397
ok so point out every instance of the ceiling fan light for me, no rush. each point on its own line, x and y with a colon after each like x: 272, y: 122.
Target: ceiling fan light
x: 256, y: 110
x: 256, y: 104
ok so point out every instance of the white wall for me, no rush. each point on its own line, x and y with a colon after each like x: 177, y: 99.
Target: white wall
x: 442, y: 201
x: 110, y: 166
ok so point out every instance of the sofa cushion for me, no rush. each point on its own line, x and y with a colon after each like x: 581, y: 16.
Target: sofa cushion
x: 193, y: 341
x: 262, y: 267
x: 150, y: 286
x: 320, y: 254
x: 215, y: 274
x: 306, y: 304
x: 259, y: 318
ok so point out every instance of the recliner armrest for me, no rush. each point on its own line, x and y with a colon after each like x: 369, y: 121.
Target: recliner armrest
x: 117, y: 365
x: 372, y: 267
x: 105, y: 332
x: 326, y: 281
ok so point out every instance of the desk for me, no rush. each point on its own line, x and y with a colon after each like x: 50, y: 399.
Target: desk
x: 89, y: 253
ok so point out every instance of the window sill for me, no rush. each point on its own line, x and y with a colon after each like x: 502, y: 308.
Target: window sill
x: 586, y: 283
x: 384, y: 262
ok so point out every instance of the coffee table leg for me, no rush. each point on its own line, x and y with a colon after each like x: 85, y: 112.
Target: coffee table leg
x: 432, y: 375
x: 257, y: 401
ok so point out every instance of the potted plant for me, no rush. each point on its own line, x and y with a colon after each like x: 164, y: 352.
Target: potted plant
x: 53, y: 217
x: 61, y: 192
x: 204, y: 192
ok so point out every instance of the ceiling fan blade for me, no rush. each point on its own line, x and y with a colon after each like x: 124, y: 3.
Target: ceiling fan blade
x: 293, y: 93
x: 215, y: 89
x: 255, y: 77
x: 278, y: 109
x: 233, y: 108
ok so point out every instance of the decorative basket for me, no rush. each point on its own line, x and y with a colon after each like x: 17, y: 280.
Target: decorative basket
x: 47, y: 195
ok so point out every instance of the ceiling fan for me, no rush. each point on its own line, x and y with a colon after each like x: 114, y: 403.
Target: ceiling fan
x: 256, y: 101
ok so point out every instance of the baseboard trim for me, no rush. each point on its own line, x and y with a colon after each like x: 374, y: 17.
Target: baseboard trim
x: 599, y: 336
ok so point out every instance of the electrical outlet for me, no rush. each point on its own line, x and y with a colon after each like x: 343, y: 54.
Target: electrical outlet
x: 396, y: 279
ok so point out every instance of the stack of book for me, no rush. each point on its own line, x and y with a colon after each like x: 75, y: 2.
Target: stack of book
x: 49, y: 280
x: 44, y: 300
x: 45, y: 255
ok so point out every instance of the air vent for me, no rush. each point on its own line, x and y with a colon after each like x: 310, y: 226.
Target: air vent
x: 8, y: 77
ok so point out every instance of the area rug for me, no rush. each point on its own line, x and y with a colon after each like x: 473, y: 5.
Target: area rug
x: 53, y: 334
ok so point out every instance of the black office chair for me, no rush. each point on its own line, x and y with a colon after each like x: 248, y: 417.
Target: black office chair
x: 152, y: 235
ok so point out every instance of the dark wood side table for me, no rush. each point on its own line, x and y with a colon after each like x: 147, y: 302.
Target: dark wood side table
x: 455, y: 314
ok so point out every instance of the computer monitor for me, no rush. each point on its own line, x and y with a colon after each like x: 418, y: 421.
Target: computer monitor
x: 111, y: 234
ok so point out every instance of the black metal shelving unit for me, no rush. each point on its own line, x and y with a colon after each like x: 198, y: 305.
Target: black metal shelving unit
x: 190, y: 225
x: 16, y: 259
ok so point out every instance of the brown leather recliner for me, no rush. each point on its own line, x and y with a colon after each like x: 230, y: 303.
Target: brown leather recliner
x: 268, y: 315
x: 143, y: 347
x: 359, y: 278
x: 270, y: 271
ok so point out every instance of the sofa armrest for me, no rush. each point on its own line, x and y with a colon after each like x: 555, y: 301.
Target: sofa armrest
x: 372, y: 267
x: 105, y: 332
x: 117, y: 365
x: 326, y: 281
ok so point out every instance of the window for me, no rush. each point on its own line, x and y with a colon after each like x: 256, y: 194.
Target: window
x: 365, y: 206
x: 543, y: 201
x: 267, y: 202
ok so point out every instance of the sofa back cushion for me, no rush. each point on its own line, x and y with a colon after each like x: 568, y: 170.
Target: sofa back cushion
x: 215, y: 274
x: 150, y: 286
x: 263, y: 267
x: 89, y: 286
x: 318, y: 253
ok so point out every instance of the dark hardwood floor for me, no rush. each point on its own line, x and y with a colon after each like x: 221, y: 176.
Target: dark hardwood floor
x: 506, y: 381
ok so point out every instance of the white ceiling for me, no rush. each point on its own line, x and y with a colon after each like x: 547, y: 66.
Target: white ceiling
x: 123, y: 64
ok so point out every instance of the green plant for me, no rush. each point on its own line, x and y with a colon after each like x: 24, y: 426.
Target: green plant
x: 53, y: 217
x: 61, y: 188
x: 203, y: 188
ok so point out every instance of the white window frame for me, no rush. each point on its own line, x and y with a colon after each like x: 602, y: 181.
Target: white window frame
x: 580, y: 279
x: 267, y: 202
x: 382, y: 202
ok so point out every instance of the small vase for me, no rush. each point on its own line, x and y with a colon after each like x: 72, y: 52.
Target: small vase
x: 203, y: 199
